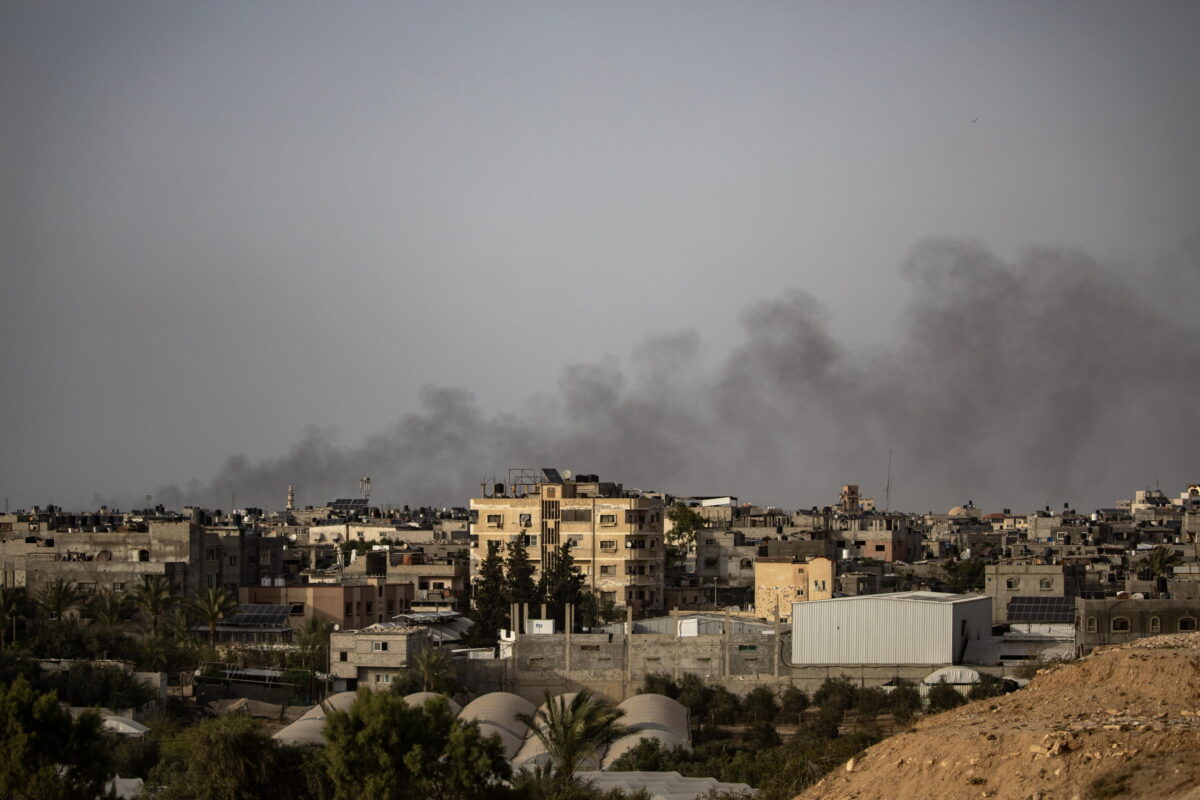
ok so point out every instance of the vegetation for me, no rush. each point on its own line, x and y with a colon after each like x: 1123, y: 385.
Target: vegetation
x: 685, y: 521
x: 489, y: 599
x: 943, y: 697
x: 965, y: 576
x: 574, y: 731
x: 154, y: 598
x: 211, y: 607
x: 47, y: 754
x: 560, y: 585
x: 385, y: 749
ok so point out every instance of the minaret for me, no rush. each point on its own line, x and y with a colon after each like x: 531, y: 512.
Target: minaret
x: 291, y: 499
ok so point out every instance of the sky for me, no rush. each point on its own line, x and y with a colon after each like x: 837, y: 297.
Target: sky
x: 708, y: 248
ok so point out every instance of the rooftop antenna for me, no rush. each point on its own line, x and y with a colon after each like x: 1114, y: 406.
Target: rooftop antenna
x: 887, y: 492
x: 364, y: 486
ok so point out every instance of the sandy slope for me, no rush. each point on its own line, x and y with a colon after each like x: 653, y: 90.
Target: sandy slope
x: 1128, y: 714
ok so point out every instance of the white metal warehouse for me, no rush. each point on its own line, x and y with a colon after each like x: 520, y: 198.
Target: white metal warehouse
x: 898, y: 628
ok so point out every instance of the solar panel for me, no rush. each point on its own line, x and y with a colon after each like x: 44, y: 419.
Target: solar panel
x: 1042, y: 609
x: 552, y: 475
x: 256, y: 615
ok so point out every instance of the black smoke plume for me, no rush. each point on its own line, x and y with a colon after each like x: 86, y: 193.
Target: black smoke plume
x: 1046, y: 379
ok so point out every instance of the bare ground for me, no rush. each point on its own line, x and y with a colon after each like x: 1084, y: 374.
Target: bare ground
x: 1122, y: 723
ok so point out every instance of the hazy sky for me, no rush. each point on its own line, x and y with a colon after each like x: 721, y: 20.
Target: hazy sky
x: 223, y: 222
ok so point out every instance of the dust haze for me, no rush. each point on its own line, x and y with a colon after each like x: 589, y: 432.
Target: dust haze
x: 1018, y: 383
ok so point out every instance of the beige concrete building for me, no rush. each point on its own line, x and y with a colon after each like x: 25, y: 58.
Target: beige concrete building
x: 616, y: 537
x: 779, y: 582
x: 376, y: 654
x: 349, y: 604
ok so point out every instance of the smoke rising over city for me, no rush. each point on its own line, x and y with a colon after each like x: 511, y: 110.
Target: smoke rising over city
x: 1041, y: 380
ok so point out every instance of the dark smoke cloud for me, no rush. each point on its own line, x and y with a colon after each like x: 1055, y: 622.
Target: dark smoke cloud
x: 1046, y: 379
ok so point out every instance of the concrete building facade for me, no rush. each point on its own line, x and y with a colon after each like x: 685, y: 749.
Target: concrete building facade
x: 779, y: 583
x: 616, y: 537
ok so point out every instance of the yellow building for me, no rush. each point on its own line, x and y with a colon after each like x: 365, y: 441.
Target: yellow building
x: 616, y: 537
x: 779, y: 582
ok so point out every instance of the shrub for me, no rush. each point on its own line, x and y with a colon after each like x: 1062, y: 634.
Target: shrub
x: 943, y: 697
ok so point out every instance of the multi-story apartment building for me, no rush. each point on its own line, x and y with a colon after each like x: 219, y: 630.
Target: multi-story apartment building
x: 616, y: 536
x: 194, y: 556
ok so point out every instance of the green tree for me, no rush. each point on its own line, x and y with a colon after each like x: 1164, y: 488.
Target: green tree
x: 836, y: 694
x: 211, y: 607
x: 685, y: 521
x: 229, y: 758
x: 12, y: 604
x: 59, y: 598
x: 904, y: 701
x: 595, y: 610
x: 109, y: 608
x: 312, y: 640
x: 560, y: 585
x: 794, y: 702
x: 760, y: 704
x: 489, y: 600
x: 965, y: 576
x: 1160, y: 562
x: 574, y: 731
x: 154, y: 597
x: 435, y: 669
x: 518, y: 575
x: 383, y: 748
x: 943, y: 697
x: 46, y: 754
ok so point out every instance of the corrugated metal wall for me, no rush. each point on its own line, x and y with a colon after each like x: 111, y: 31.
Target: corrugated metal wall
x: 876, y: 630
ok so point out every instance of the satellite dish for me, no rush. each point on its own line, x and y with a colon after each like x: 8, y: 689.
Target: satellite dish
x: 566, y: 473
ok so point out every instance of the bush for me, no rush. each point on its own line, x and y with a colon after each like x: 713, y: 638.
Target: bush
x: 904, y: 701
x: 762, y: 735
x: 660, y: 683
x: 836, y: 694
x: 990, y: 686
x: 794, y: 702
x: 760, y: 704
x: 943, y: 697
x: 872, y: 700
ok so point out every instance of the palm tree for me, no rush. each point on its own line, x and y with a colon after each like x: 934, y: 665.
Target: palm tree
x: 178, y: 624
x: 1161, y: 561
x: 435, y: 669
x: 59, y: 598
x: 12, y: 601
x: 212, y: 607
x: 574, y: 731
x: 311, y: 638
x: 154, y: 598
x: 109, y: 608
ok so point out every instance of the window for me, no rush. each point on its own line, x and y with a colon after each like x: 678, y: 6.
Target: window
x: 1187, y: 623
x: 297, y: 610
x: 343, y: 655
x: 349, y: 609
x: 87, y: 587
x: 589, y: 647
x: 1119, y: 625
x: 369, y: 605
x: 551, y: 491
x: 608, y: 597
x: 535, y: 663
x: 379, y: 647
x: 391, y: 605
x: 118, y: 586
x: 531, y: 540
x: 210, y: 554
x: 383, y: 677
x: 143, y: 555
x: 608, y: 544
x: 879, y: 548
x: 608, y: 569
x: 1046, y: 584
x: 710, y: 563
x: 608, y: 520
x: 1013, y: 583
x: 1155, y: 625
x: 1091, y: 625
x: 526, y: 520
x: 575, y: 540
x: 233, y: 561
x: 747, y: 648
x: 576, y: 515
x: 495, y: 520
x: 746, y: 564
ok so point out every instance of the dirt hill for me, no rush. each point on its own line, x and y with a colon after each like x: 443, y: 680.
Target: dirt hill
x: 1122, y: 723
